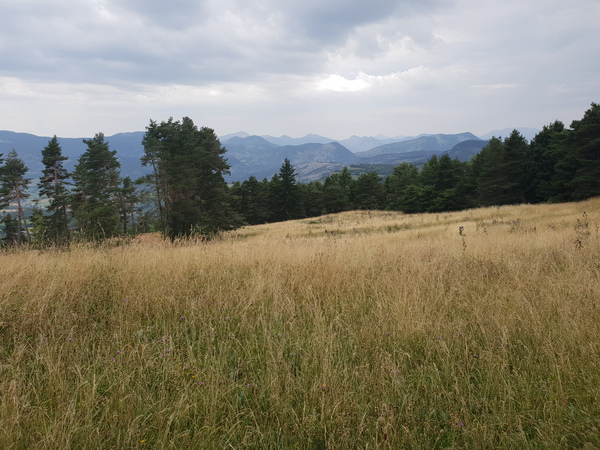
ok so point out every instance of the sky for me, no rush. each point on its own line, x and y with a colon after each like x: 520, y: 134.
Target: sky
x: 336, y: 68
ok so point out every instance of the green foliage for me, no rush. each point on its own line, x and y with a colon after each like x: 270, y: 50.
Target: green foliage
x: 127, y: 200
x: 584, y: 143
x: 188, y: 168
x: 397, y: 196
x: 11, y: 230
x: 254, y: 203
x: 312, y: 198
x: 286, y: 194
x: 336, y: 192
x: 368, y: 192
x: 53, y: 186
x: 96, y: 188
x: 546, y: 150
x: 14, y: 187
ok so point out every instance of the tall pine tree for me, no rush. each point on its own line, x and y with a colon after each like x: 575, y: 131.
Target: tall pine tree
x: 189, y: 165
x: 286, y: 193
x: 53, y: 185
x: 584, y: 143
x: 96, y: 187
x: 14, y: 189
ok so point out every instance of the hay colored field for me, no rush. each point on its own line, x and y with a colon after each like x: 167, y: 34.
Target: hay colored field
x: 360, y: 329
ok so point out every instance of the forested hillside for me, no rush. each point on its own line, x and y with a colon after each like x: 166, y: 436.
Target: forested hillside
x: 184, y: 191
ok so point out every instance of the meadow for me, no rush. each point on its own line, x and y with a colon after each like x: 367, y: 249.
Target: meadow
x: 474, y: 329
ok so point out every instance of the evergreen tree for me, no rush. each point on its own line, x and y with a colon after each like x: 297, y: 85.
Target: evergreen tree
x: 490, y: 174
x: 514, y: 164
x: 286, y: 194
x: 126, y: 202
x: 14, y: 189
x: 312, y: 198
x: 154, y: 156
x: 545, y: 150
x: 584, y: 143
x: 428, y: 178
x: 336, y: 192
x: 11, y: 230
x: 188, y: 176
x: 255, y: 201
x: 402, y: 176
x: 96, y: 188
x: 53, y: 186
x: 368, y: 191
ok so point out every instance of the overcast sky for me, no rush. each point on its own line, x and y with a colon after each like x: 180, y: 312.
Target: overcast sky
x: 331, y: 67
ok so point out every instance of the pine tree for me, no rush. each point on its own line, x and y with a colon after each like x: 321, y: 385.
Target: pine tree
x: 14, y: 189
x: 96, y: 187
x: 584, y: 143
x: 11, y: 230
x: 545, y: 150
x: 515, y: 163
x: 490, y: 174
x: 188, y: 178
x: 402, y: 176
x: 336, y: 192
x: 287, y: 194
x: 312, y: 198
x: 126, y: 202
x: 255, y: 201
x: 53, y: 185
x: 368, y: 191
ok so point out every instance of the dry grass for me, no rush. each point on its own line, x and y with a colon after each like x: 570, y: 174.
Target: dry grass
x: 362, y: 329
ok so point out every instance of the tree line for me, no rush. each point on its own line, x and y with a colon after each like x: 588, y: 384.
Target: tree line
x: 558, y: 165
x: 186, y: 193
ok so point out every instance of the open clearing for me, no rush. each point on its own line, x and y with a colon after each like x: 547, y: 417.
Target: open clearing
x: 360, y: 329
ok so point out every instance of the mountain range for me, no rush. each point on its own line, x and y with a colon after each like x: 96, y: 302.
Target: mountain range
x: 313, y: 156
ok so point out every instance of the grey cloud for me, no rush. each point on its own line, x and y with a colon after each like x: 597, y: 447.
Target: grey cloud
x: 263, y: 57
x: 173, y: 15
x: 186, y: 41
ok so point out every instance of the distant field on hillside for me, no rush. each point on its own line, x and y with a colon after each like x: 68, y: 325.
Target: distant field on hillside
x: 361, y: 329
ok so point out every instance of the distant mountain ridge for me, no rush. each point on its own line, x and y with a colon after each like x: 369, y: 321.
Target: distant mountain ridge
x: 262, y: 156
x: 431, y: 143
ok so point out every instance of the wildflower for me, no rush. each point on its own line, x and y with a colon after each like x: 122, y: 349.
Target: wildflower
x: 118, y: 352
x: 182, y: 318
x: 143, y: 440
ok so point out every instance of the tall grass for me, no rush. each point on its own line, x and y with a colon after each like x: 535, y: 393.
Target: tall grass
x: 362, y: 329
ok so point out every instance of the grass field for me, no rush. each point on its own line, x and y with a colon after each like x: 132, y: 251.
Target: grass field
x: 476, y: 329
